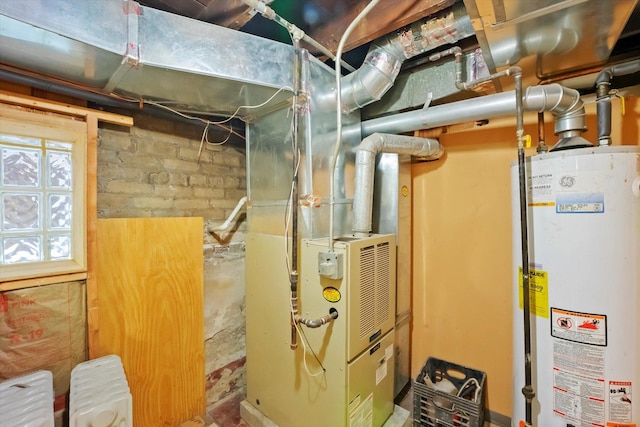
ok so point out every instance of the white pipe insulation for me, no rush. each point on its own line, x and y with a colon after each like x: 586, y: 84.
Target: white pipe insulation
x: 430, y: 149
x: 231, y: 217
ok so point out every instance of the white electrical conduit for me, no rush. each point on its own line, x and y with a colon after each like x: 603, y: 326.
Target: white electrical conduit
x: 366, y: 164
x: 336, y: 150
x: 230, y: 219
x: 296, y: 32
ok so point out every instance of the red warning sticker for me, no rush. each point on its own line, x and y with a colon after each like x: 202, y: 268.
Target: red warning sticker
x: 585, y: 328
x: 620, y: 404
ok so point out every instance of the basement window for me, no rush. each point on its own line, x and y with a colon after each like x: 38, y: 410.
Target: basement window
x: 42, y: 195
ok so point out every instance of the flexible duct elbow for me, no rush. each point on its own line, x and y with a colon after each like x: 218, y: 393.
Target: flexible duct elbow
x: 386, y: 55
x: 374, y: 78
x: 430, y: 149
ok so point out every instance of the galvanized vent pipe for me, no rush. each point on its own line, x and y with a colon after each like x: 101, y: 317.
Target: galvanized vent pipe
x: 386, y: 54
x: 365, y: 170
x: 564, y: 103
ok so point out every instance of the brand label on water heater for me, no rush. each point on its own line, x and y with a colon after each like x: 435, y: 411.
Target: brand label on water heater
x: 580, y: 203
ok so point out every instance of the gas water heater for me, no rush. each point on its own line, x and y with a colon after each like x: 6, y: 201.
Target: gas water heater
x: 584, y: 248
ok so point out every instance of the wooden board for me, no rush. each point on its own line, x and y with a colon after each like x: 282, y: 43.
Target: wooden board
x: 150, y: 302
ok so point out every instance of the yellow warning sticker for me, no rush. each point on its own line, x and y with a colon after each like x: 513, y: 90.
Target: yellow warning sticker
x: 538, y: 292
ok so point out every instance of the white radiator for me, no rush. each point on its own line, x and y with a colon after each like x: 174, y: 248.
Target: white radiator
x: 27, y: 400
x: 100, y: 394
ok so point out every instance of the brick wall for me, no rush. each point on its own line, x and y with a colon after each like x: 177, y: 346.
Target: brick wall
x: 153, y: 170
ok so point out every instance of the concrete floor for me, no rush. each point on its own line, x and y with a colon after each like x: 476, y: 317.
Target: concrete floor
x: 234, y: 408
x: 402, y: 416
x: 254, y: 418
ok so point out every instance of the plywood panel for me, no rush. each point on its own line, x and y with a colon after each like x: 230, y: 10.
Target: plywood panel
x: 150, y: 302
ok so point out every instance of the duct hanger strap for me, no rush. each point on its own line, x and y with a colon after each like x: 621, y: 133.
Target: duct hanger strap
x: 131, y: 57
x: 132, y: 11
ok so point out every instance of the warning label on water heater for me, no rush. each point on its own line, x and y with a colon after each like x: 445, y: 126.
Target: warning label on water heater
x: 578, y: 383
x: 619, y: 403
x: 579, y: 342
x: 585, y: 328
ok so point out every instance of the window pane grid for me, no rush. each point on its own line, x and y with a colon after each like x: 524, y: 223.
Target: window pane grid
x: 21, y: 167
x: 36, y: 200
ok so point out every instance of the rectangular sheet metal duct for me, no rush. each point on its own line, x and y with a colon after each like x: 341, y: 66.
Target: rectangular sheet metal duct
x: 548, y: 38
x: 115, y: 46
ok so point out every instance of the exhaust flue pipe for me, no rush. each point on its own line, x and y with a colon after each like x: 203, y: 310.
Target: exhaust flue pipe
x: 564, y: 103
x: 365, y: 170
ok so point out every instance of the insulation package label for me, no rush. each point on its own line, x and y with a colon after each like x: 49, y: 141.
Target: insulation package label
x: 43, y: 328
x: 538, y: 292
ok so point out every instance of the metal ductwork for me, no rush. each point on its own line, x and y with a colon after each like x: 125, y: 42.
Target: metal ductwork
x: 564, y: 103
x: 429, y: 149
x: 118, y: 47
x: 386, y: 54
x: 548, y: 38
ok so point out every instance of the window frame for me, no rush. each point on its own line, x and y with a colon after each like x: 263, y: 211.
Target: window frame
x: 60, y: 128
x: 89, y: 118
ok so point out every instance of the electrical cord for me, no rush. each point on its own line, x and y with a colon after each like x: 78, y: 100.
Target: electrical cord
x: 216, y: 123
x: 469, y: 382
